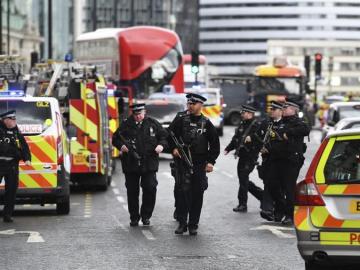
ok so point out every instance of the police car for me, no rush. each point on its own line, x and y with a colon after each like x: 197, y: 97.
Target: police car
x: 327, y: 208
x: 46, y: 180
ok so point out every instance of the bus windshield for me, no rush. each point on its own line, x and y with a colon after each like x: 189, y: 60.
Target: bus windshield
x: 281, y: 85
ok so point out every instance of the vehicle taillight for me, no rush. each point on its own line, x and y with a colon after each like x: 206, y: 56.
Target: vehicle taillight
x: 307, y: 193
x: 60, y: 151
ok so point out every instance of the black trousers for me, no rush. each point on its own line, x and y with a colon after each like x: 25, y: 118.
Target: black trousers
x: 190, y: 197
x: 148, y: 183
x: 11, y: 176
x: 283, y: 175
x: 244, y: 168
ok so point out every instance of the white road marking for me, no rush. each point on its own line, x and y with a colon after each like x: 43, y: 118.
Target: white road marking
x: 121, y: 226
x: 113, y: 184
x: 88, y: 205
x: 34, y: 237
x: 120, y: 199
x: 148, y: 235
x: 27, y: 205
x: 116, y: 191
x: 125, y: 206
x: 75, y: 203
x: 276, y: 230
x: 87, y: 216
x: 231, y: 256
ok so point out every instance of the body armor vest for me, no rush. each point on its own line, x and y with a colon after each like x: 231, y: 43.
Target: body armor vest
x: 194, y: 134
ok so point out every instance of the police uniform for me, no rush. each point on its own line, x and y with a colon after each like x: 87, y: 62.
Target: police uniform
x: 248, y: 154
x: 202, y: 142
x: 177, y: 188
x: 13, y: 148
x: 141, y: 163
x: 270, y: 129
x: 287, y: 158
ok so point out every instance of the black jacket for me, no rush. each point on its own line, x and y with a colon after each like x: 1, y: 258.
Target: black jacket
x: 13, y: 145
x: 204, y: 147
x: 145, y: 139
x: 246, y: 151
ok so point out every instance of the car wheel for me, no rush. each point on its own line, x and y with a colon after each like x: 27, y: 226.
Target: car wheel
x: 235, y: 118
x: 63, y: 208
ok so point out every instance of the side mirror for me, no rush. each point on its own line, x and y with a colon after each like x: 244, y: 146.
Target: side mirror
x: 71, y: 131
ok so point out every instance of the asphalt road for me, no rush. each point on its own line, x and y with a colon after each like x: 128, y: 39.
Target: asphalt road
x: 97, y: 235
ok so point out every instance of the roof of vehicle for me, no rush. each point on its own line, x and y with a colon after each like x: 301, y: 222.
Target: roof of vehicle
x: 30, y: 98
x: 202, y: 90
x: 344, y: 132
x: 344, y: 104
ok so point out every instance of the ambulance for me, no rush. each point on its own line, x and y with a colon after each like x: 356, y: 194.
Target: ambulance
x: 46, y: 180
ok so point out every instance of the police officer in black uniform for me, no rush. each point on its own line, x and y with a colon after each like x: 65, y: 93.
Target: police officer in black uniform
x: 269, y: 153
x: 140, y: 140
x: 13, y: 148
x: 202, y: 143
x: 247, y: 144
x: 289, y: 158
x: 177, y: 188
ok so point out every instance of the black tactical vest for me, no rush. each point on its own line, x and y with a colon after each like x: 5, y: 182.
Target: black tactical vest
x: 194, y: 134
x: 9, y: 143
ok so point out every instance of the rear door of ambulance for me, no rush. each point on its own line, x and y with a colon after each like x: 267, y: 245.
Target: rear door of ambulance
x: 338, y: 180
x: 35, y: 119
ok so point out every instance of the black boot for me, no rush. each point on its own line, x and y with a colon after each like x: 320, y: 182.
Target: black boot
x: 240, y: 208
x: 134, y: 223
x: 145, y: 221
x: 193, y: 230
x: 288, y: 221
x: 182, y: 228
x: 268, y: 215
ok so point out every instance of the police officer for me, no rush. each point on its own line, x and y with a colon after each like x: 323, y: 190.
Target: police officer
x: 13, y: 148
x: 247, y: 144
x: 140, y: 140
x: 177, y: 188
x: 269, y: 153
x: 289, y: 158
x: 203, y: 146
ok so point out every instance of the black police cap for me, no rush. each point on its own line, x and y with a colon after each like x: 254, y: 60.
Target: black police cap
x: 137, y: 107
x: 290, y: 102
x: 192, y: 97
x: 276, y: 105
x: 8, y: 114
x: 248, y: 108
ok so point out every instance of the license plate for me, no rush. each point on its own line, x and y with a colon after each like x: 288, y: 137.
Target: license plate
x: 355, y: 206
x: 79, y: 159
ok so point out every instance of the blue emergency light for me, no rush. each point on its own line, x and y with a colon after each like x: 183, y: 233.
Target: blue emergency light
x: 68, y: 57
x: 12, y: 93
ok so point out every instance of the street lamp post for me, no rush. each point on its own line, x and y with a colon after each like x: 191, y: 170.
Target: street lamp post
x: 8, y: 27
x: 49, y: 29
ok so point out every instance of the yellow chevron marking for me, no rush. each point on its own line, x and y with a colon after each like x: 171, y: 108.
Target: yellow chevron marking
x: 319, y: 214
x: 91, y: 128
x: 319, y: 174
x: 77, y: 118
x: 91, y: 103
x: 28, y: 182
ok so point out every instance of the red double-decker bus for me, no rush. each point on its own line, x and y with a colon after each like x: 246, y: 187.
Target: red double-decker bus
x: 142, y: 59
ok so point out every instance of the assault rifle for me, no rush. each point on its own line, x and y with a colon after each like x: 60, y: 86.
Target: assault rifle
x: 132, y: 149
x: 242, y: 140
x: 183, y: 155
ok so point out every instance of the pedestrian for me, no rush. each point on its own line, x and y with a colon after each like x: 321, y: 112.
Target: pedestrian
x: 288, y: 157
x: 140, y: 140
x: 201, y: 145
x: 177, y: 188
x: 13, y: 148
x: 269, y: 154
x: 246, y: 144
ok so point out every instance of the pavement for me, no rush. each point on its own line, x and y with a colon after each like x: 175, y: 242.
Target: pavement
x: 96, y: 234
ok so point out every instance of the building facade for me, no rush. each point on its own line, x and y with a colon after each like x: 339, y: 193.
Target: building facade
x: 340, y: 62
x: 234, y: 33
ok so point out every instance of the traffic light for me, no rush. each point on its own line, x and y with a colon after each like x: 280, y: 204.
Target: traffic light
x: 318, y: 59
x: 307, y: 63
x: 195, y: 62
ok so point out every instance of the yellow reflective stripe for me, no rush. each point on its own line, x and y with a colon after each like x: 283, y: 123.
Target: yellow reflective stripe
x: 51, y: 178
x: 338, y: 238
x: 346, y: 138
x: 113, y: 125
x: 112, y: 102
x: 77, y: 118
x: 91, y: 103
x: 28, y: 181
x: 319, y: 174
x: 46, y: 147
x: 83, y: 91
x: 319, y: 214
x: 335, y: 189
x: 91, y: 128
x: 351, y: 224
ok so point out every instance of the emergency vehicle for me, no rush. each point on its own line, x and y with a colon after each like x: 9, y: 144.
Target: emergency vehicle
x: 82, y: 94
x: 213, y: 107
x: 327, y: 206
x: 46, y: 180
